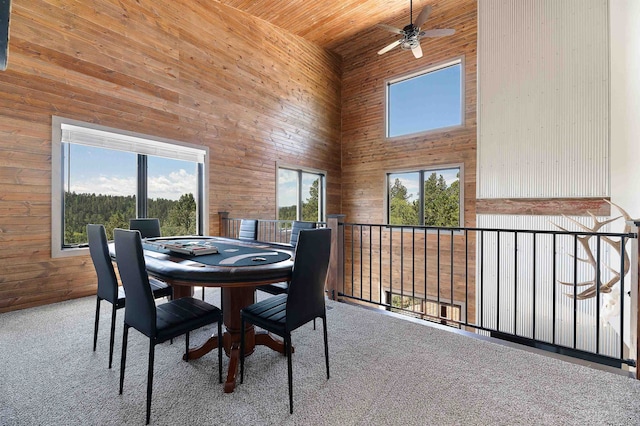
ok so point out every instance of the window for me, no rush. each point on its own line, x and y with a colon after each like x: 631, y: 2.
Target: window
x: 431, y: 310
x: 301, y: 194
x: 108, y: 176
x: 429, y: 197
x: 428, y: 100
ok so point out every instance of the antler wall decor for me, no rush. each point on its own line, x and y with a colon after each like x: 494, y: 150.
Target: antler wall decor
x: 596, y: 282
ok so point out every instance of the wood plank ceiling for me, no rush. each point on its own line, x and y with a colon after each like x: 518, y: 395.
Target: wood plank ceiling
x: 332, y: 24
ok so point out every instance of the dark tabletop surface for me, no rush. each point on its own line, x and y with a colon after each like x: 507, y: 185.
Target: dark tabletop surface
x: 238, y: 261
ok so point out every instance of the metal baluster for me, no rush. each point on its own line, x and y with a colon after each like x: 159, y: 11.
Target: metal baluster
x: 451, y: 273
x: 533, y: 331
x: 498, y: 282
x: 515, y: 283
x: 575, y: 291
x: 597, y: 283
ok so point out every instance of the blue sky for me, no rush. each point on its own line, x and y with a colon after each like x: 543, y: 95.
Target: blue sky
x: 425, y: 102
x: 103, y: 171
x: 288, y: 186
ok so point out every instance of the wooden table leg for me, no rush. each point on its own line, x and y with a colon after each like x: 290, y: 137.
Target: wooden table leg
x: 180, y: 291
x: 211, y: 344
x: 233, y: 300
x: 261, y: 338
x: 234, y: 361
x: 265, y: 339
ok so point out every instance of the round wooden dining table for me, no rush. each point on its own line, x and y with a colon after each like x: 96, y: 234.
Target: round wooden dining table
x: 238, y: 268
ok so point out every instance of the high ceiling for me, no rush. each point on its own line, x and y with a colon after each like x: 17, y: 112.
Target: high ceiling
x: 333, y: 23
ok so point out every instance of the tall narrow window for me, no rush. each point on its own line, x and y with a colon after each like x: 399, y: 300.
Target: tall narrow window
x: 429, y: 197
x: 404, y: 198
x: 301, y: 195
x: 99, y: 187
x: 109, y: 176
x: 172, y: 187
x: 287, y: 194
x: 428, y: 100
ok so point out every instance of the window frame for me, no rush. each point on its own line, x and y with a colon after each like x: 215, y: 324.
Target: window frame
x: 124, y: 138
x: 450, y: 313
x: 417, y: 73
x: 424, y: 171
x: 322, y: 203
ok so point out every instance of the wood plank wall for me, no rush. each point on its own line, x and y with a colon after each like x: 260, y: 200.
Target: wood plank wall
x: 189, y: 70
x: 367, y: 155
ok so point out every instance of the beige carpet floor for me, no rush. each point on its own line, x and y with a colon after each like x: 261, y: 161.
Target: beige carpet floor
x: 384, y: 371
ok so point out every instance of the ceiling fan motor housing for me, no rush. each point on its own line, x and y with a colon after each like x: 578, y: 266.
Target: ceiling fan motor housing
x: 411, y: 37
x: 411, y: 33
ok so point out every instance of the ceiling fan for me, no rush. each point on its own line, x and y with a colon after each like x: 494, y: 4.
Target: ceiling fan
x: 411, y: 33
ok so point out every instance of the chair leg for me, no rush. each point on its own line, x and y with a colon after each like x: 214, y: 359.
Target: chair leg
x: 152, y: 348
x: 171, y: 298
x: 287, y: 343
x: 113, y: 333
x: 202, y: 292
x: 186, y: 346
x: 95, y: 327
x: 220, y: 341
x: 242, y: 350
x: 326, y: 344
x: 123, y: 358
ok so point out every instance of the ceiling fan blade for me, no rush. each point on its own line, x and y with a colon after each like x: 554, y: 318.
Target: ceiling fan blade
x: 390, y: 29
x: 389, y: 47
x: 437, y: 33
x: 417, y: 51
x: 422, y: 18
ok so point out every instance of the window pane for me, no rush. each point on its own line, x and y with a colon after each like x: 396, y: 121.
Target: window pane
x: 99, y: 187
x: 100, y: 182
x: 172, y: 186
x: 287, y: 194
x: 429, y: 101
x: 310, y: 199
x: 442, y: 197
x: 404, y: 192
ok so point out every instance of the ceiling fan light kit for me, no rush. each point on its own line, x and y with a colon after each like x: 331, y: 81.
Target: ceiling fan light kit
x: 411, y: 33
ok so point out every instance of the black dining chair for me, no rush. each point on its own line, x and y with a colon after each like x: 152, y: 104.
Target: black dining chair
x: 148, y: 227
x: 159, y: 323
x: 303, y: 303
x: 108, y: 288
x: 248, y: 230
x: 282, y: 287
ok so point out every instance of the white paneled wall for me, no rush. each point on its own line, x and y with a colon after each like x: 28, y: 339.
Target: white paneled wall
x: 528, y: 282
x: 624, y: 18
x: 543, y: 99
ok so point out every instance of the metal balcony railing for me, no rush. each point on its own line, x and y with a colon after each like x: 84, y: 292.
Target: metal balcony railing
x: 554, y: 290
x: 567, y: 292
x: 278, y: 231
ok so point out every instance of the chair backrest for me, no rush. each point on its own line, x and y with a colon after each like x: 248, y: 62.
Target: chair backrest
x: 306, y: 289
x: 99, y: 250
x: 296, y: 227
x: 248, y: 229
x: 140, y: 310
x: 148, y: 227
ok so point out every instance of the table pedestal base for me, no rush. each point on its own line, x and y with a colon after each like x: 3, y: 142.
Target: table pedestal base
x: 261, y: 338
x: 233, y: 300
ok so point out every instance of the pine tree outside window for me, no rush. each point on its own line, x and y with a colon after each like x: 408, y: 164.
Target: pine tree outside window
x: 301, y: 194
x: 108, y: 176
x: 426, y: 197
